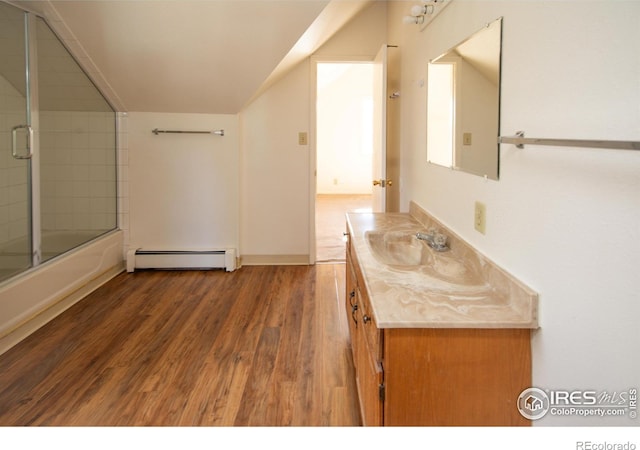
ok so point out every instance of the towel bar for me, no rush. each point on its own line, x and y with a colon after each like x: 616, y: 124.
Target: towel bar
x: 216, y: 132
x: 519, y: 141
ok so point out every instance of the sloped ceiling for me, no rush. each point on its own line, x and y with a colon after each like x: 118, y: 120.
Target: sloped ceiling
x: 195, y: 56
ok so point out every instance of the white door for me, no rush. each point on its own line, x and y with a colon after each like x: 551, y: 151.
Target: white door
x: 380, y: 181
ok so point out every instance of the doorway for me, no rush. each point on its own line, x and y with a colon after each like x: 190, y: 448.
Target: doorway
x: 344, y: 151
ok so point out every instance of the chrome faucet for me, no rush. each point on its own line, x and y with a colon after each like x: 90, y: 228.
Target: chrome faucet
x: 435, y: 240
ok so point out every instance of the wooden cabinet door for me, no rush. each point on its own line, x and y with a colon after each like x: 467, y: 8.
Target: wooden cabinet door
x: 370, y: 384
x: 370, y: 376
x: 351, y: 306
x: 455, y: 377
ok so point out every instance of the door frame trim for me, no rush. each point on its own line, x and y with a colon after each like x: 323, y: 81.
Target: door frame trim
x: 313, y: 155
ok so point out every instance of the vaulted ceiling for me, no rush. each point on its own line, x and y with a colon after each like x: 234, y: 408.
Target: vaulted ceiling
x: 195, y: 56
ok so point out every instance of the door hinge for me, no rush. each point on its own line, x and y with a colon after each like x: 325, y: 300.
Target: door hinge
x: 381, y: 391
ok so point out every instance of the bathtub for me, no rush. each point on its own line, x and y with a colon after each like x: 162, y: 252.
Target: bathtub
x: 32, y: 298
x: 54, y: 243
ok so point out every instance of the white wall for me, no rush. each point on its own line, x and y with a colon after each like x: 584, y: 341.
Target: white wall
x: 277, y: 173
x: 562, y: 220
x: 183, y: 188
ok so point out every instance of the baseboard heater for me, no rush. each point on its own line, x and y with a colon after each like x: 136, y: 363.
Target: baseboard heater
x: 181, y: 259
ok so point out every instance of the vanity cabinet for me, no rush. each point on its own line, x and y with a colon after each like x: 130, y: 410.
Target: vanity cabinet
x: 433, y: 376
x: 366, y: 356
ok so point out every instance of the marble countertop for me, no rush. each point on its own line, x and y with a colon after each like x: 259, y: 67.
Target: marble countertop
x: 458, y: 288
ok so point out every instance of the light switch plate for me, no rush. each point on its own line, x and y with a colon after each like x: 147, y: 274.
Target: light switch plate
x: 302, y: 138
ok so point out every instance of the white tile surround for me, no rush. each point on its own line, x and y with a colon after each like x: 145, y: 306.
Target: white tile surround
x: 13, y: 176
x: 78, y: 170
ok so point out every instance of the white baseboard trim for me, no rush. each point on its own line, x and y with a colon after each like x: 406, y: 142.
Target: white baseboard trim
x: 274, y: 260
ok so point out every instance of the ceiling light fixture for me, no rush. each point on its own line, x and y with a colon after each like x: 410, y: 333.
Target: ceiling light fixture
x: 413, y: 19
x: 418, y: 12
x: 422, y: 10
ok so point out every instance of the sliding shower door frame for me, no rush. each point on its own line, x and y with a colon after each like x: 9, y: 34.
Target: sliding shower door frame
x: 33, y: 120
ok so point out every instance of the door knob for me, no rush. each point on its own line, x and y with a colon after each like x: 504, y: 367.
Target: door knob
x: 383, y: 183
x: 389, y: 183
x: 378, y: 182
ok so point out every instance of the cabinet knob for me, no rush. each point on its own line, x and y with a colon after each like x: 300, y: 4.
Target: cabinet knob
x: 366, y: 319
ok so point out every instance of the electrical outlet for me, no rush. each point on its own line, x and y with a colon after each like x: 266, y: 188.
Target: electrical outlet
x: 302, y: 138
x: 480, y: 217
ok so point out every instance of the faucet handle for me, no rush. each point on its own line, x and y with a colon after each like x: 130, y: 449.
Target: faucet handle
x: 440, y: 240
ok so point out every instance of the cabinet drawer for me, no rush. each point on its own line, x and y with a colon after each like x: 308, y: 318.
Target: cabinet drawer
x: 372, y: 333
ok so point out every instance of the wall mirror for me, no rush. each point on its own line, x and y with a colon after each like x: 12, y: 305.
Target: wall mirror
x: 463, y: 104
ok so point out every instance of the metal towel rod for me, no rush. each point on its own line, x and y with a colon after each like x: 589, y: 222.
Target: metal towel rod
x: 519, y: 141
x: 216, y: 132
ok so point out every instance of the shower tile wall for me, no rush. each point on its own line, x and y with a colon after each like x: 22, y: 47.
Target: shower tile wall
x: 13, y: 176
x: 77, y: 166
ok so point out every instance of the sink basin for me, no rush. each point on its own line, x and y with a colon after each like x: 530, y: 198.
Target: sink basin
x: 401, y: 250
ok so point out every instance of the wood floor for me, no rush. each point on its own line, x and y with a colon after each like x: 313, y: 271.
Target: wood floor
x: 261, y: 346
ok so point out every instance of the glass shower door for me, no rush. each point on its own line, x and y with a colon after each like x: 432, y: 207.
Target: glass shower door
x: 76, y: 150
x: 16, y: 143
x: 57, y: 147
